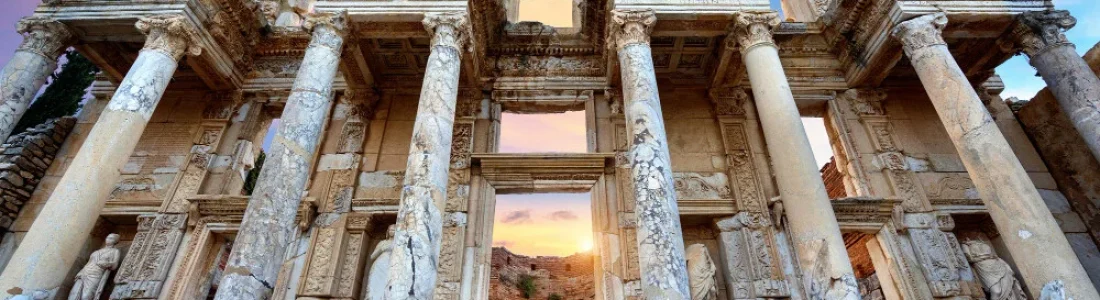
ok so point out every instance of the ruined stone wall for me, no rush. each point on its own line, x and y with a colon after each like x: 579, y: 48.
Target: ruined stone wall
x: 24, y: 159
x: 578, y: 264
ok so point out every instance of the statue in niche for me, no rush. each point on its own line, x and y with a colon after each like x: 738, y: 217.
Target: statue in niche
x: 993, y: 271
x: 701, y: 273
x: 775, y: 206
x: 91, y: 279
x: 379, y: 272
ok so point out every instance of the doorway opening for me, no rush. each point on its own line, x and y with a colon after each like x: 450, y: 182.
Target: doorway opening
x: 542, y: 247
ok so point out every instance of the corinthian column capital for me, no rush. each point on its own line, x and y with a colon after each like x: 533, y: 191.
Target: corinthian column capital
x: 1040, y: 30
x: 754, y: 28
x: 632, y: 26
x: 328, y: 29
x: 920, y: 32
x: 172, y: 35
x: 448, y: 29
x: 43, y: 36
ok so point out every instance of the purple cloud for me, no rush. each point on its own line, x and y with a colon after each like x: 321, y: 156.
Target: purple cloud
x: 517, y: 217
x: 563, y: 215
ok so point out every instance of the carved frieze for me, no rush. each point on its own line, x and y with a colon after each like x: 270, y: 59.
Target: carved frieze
x: 146, y: 265
x: 701, y: 186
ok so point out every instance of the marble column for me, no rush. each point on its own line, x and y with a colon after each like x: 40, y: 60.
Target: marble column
x: 1040, y: 250
x: 26, y: 72
x: 814, y: 230
x: 268, y: 227
x: 419, y: 222
x: 43, y: 259
x: 660, y: 244
x: 1040, y: 35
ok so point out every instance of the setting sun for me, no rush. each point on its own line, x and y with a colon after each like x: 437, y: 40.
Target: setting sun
x: 586, y: 245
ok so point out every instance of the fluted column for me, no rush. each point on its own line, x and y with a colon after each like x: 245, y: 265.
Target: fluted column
x: 1040, y: 35
x: 44, y: 257
x: 26, y: 72
x: 660, y: 241
x: 268, y: 226
x: 419, y: 223
x: 1038, y: 247
x: 814, y: 230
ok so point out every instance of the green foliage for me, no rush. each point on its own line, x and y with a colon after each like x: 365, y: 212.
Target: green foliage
x: 526, y: 284
x: 555, y: 296
x: 64, y: 95
x: 250, y: 180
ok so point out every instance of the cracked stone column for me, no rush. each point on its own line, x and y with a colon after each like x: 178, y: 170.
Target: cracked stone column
x: 419, y: 223
x: 1032, y: 236
x: 268, y: 227
x: 26, y: 72
x: 1040, y: 35
x: 814, y: 230
x: 42, y: 261
x: 660, y: 242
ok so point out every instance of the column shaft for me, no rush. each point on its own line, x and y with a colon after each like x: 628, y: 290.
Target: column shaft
x: 1066, y: 73
x: 268, y: 226
x: 26, y: 72
x: 45, y: 255
x: 814, y: 230
x: 1040, y: 250
x: 660, y: 241
x: 419, y: 222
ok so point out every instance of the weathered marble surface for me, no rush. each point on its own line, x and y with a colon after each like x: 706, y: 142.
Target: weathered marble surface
x: 660, y: 244
x: 268, y: 227
x: 814, y: 230
x: 418, y: 237
x: 1040, y: 250
x: 26, y: 72
x: 1068, y: 76
x: 68, y: 217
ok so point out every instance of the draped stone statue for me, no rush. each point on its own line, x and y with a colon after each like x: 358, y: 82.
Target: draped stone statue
x: 380, y: 268
x: 91, y: 279
x: 994, y: 272
x: 701, y: 273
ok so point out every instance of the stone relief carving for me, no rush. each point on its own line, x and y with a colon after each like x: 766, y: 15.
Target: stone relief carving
x: 865, y: 101
x: 953, y: 187
x: 89, y: 282
x: 701, y: 273
x: 994, y: 272
x: 146, y: 266
x: 379, y: 268
x: 729, y: 101
x: 701, y: 186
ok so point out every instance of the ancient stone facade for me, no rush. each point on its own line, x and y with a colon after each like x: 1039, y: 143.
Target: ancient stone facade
x: 382, y: 171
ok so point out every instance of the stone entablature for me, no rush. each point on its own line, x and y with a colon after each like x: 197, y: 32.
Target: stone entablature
x: 391, y: 113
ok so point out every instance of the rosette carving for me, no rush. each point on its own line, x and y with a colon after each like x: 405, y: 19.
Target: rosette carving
x: 754, y: 28
x: 173, y: 35
x: 632, y: 26
x: 1041, y: 30
x: 920, y: 32
x: 448, y: 29
x: 43, y: 36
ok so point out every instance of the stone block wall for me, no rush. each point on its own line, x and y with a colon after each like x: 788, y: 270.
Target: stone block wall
x: 24, y: 159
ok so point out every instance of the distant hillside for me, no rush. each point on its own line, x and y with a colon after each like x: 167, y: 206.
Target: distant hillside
x: 569, y: 277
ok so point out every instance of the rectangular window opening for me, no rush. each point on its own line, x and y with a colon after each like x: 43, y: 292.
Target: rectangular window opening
x: 543, y: 133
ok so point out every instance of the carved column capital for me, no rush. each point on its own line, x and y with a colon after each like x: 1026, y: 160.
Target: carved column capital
x: 754, y: 28
x: 337, y: 22
x: 865, y: 102
x: 631, y: 26
x: 173, y: 35
x: 43, y: 36
x: 1041, y: 30
x: 449, y: 29
x: 920, y: 32
x: 729, y: 101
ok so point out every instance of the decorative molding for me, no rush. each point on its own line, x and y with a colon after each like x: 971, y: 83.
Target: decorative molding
x: 920, y: 32
x: 754, y: 28
x: 865, y: 102
x: 630, y: 27
x: 173, y: 35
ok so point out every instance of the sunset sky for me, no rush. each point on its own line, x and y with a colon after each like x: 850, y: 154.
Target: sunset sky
x: 560, y: 224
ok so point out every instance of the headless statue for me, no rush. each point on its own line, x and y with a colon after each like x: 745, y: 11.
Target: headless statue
x: 91, y: 279
x: 379, y: 273
x: 701, y: 273
x: 993, y: 271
